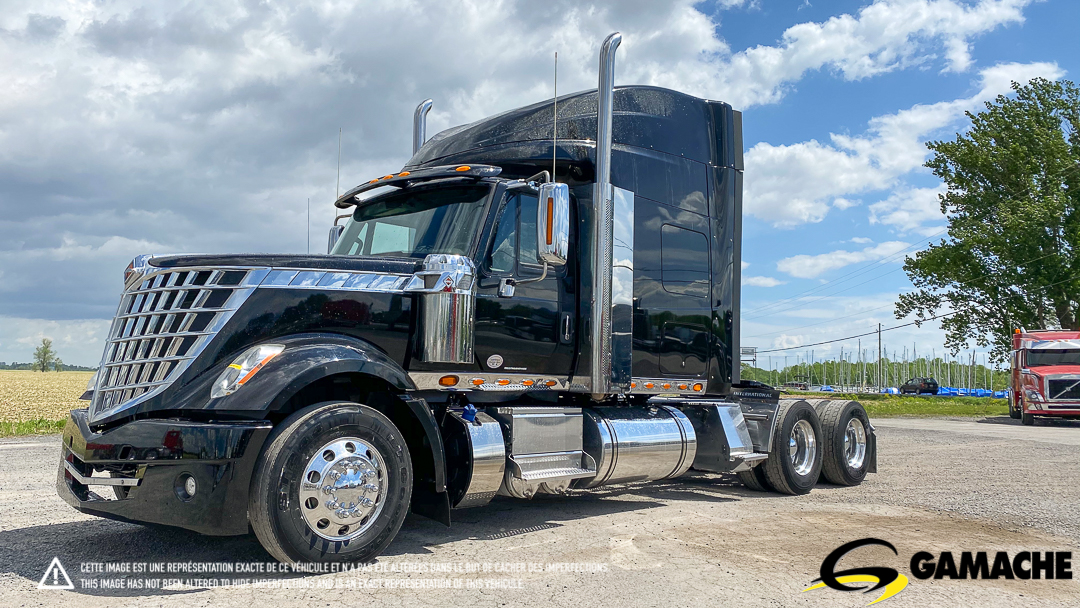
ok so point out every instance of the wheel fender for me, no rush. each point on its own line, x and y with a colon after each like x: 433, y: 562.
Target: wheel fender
x: 307, y: 358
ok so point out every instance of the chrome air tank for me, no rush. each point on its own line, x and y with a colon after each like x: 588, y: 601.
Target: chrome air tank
x: 447, y: 308
x: 637, y: 444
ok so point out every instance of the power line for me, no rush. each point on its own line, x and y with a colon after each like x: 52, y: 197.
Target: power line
x: 863, y: 312
x: 869, y: 333
x: 773, y: 350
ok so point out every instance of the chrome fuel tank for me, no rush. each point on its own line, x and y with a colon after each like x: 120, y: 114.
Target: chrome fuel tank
x: 637, y: 444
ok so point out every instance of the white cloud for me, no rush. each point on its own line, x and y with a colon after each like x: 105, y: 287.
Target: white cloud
x: 861, y: 240
x: 789, y: 185
x: 762, y: 281
x: 907, y: 210
x: 882, y: 37
x: 150, y: 126
x: 811, y: 266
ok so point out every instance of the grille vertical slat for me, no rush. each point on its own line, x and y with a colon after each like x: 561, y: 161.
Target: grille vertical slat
x: 162, y: 323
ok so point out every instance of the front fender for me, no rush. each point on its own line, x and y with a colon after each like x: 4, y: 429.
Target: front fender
x: 306, y: 358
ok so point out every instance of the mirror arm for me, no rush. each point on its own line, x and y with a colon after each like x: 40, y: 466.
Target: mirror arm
x: 543, y: 275
x: 543, y: 175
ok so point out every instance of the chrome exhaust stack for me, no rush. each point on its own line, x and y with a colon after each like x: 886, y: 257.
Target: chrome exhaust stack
x: 419, y: 125
x: 604, y: 204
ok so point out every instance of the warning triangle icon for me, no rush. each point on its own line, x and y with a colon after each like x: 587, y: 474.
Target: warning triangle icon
x: 55, y: 577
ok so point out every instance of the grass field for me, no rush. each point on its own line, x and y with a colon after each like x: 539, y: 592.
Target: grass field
x: 926, y: 406
x: 38, y: 402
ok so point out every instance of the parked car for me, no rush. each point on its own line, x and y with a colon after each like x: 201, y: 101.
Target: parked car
x: 919, y: 386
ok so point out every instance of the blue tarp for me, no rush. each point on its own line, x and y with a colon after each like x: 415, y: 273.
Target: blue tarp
x: 952, y: 391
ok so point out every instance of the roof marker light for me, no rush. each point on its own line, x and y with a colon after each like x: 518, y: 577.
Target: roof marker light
x: 463, y: 168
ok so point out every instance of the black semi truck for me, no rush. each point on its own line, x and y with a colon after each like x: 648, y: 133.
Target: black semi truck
x: 543, y: 301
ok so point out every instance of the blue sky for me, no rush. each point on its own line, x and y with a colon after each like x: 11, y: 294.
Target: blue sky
x: 156, y: 127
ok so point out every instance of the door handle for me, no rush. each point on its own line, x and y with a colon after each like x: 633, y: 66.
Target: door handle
x: 566, y: 328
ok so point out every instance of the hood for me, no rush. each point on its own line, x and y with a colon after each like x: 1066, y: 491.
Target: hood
x: 273, y: 260
x: 1043, y: 371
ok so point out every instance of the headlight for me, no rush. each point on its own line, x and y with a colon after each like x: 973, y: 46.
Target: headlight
x: 1032, y: 395
x: 243, y: 368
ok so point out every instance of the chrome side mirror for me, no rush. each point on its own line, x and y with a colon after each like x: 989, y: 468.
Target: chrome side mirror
x: 507, y: 288
x: 335, y: 234
x: 553, y: 223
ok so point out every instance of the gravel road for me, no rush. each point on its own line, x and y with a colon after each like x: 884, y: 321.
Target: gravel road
x: 702, y: 540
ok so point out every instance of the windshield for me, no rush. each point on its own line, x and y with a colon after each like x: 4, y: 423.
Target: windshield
x: 414, y: 224
x: 1063, y: 356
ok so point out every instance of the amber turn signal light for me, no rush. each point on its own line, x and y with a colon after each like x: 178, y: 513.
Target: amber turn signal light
x: 448, y: 381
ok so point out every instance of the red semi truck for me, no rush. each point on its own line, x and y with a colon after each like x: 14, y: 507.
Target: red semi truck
x: 1045, y: 374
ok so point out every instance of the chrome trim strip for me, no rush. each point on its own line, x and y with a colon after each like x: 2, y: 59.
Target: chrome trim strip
x: 667, y: 386
x: 99, y: 481
x: 622, y: 289
x: 490, y: 382
x: 334, y: 280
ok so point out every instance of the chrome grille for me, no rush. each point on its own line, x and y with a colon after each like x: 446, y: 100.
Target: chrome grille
x: 163, y: 322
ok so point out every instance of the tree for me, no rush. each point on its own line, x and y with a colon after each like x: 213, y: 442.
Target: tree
x: 44, y: 356
x: 1013, y: 207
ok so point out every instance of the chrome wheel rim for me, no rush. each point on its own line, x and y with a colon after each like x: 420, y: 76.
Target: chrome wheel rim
x: 802, y: 447
x: 343, y: 489
x: 855, y: 443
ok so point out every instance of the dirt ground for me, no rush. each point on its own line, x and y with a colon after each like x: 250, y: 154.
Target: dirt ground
x: 701, y: 540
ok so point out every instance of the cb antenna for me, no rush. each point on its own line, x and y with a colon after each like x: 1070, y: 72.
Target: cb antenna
x: 555, y: 124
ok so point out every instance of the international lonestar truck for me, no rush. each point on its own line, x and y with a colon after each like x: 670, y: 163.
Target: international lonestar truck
x: 1045, y: 374
x: 508, y: 314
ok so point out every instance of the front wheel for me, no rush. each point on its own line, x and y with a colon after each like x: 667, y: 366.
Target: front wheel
x: 333, y: 484
x: 1027, y: 419
x: 1013, y: 412
x: 794, y: 462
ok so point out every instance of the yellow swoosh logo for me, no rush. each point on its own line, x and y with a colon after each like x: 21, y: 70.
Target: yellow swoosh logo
x: 890, y: 590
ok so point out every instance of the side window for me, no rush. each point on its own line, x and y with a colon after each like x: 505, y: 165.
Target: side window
x: 527, y: 221
x: 684, y: 261
x: 504, y: 250
x: 515, y: 235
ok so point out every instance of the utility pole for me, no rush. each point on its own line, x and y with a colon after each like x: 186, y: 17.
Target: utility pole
x: 879, y: 357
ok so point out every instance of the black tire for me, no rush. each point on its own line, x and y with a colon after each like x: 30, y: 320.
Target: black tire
x: 1027, y: 419
x: 779, y: 470
x: 274, y: 507
x: 835, y: 417
x: 1013, y: 412
x: 754, y: 479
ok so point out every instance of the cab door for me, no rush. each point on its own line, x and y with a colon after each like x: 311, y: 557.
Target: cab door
x: 519, y: 334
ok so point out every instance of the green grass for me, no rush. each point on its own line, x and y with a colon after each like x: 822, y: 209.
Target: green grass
x: 897, y: 405
x: 31, y: 427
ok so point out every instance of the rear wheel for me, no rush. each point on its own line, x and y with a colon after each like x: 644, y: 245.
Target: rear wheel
x: 845, y: 438
x: 333, y: 484
x: 794, y: 462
